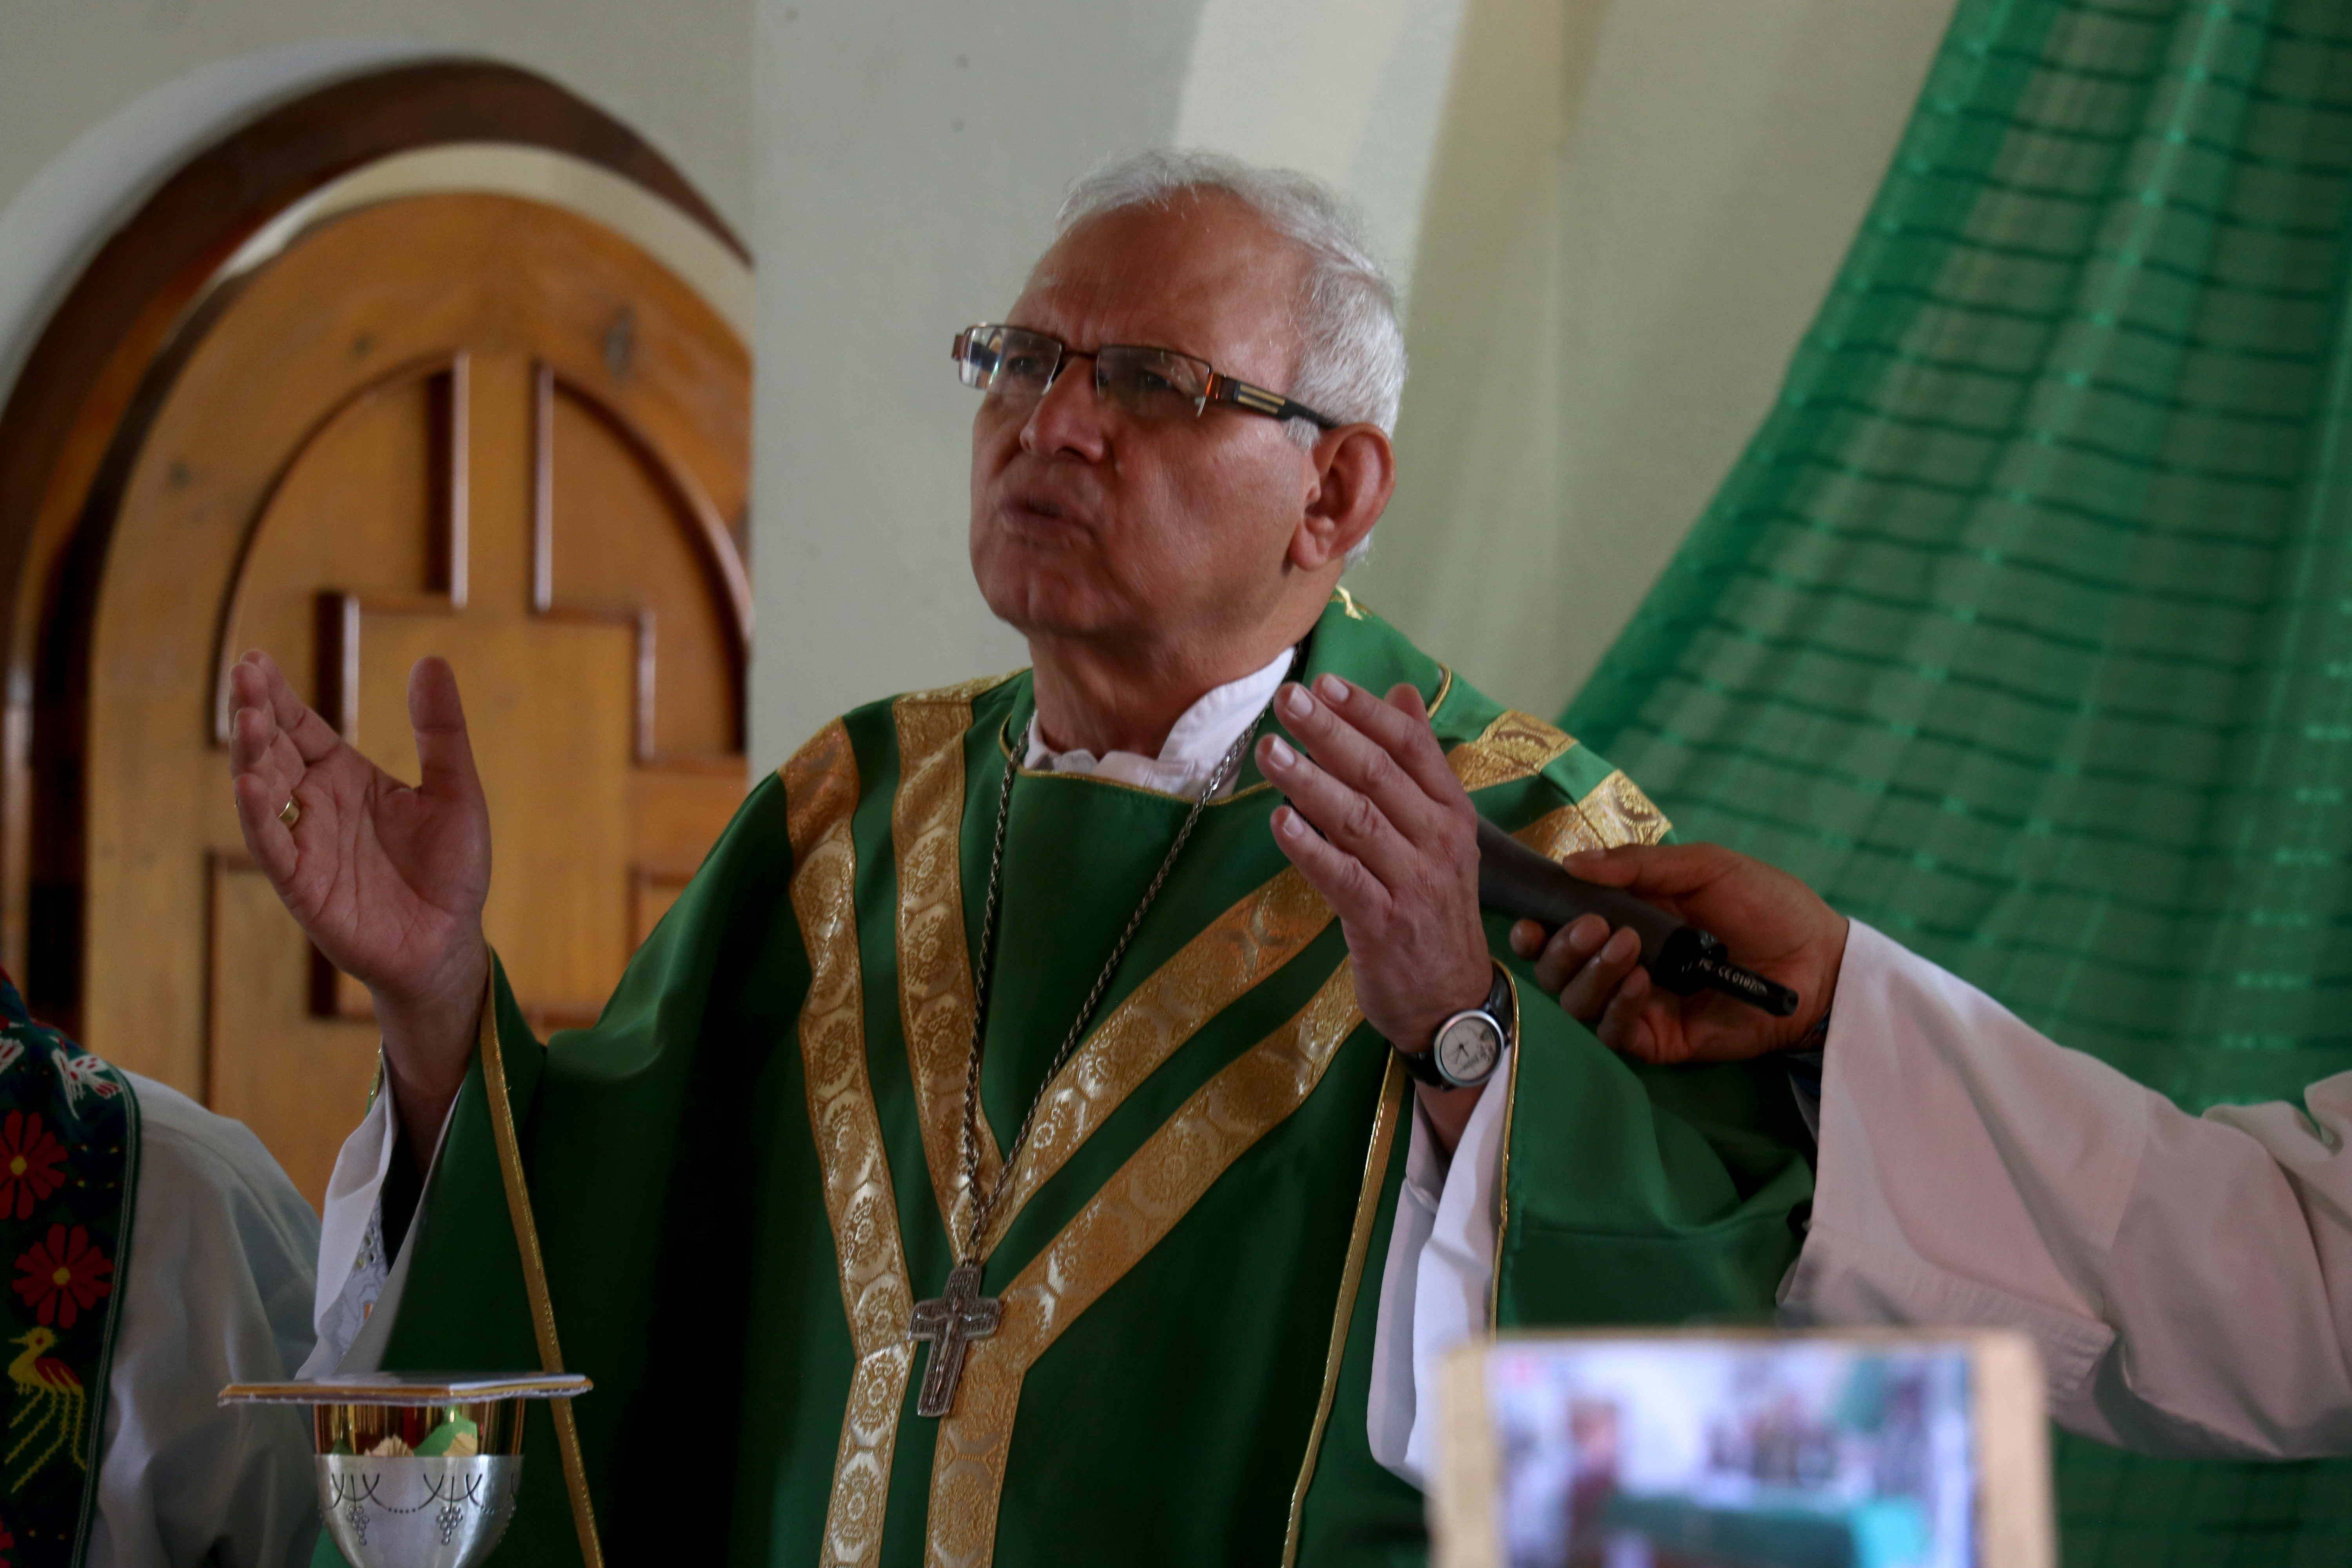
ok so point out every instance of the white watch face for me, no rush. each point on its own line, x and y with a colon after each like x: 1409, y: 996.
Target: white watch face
x: 1468, y: 1047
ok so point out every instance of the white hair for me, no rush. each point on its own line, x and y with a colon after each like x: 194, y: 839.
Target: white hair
x: 1351, y: 346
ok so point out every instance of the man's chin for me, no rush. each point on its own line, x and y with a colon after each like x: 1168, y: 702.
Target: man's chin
x: 1035, y: 607
x: 1035, y: 622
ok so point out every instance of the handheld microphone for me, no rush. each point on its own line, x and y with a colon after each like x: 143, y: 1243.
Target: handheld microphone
x: 1516, y: 880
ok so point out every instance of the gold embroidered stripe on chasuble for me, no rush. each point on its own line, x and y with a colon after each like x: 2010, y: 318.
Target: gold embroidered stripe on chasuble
x: 1612, y: 812
x: 821, y: 790
x: 935, y: 986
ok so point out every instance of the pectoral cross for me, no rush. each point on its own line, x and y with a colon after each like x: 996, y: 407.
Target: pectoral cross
x: 950, y: 1322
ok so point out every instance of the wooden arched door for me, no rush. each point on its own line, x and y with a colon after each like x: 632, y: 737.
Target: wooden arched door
x: 464, y: 425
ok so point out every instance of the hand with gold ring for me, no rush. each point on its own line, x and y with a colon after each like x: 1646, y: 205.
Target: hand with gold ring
x: 387, y: 880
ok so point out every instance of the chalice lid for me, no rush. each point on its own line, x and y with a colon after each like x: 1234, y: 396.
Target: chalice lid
x: 408, y: 1388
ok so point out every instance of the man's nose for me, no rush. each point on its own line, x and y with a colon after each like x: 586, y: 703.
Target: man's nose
x: 1069, y: 418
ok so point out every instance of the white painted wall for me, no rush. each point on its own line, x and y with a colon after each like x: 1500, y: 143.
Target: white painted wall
x: 1635, y: 208
x: 1350, y: 90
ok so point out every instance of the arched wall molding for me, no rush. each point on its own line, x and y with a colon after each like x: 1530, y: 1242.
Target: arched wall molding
x: 354, y: 140
x: 705, y: 262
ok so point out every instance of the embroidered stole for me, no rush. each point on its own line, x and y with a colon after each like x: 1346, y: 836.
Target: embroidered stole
x: 68, y: 1165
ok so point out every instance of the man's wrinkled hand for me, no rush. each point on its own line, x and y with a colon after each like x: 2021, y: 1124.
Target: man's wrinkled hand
x: 1378, y: 823
x: 1768, y: 920
x: 388, y: 881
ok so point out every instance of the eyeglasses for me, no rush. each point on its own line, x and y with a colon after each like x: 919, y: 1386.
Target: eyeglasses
x: 1019, y: 366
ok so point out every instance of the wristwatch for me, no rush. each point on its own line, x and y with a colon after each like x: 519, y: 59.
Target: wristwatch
x: 1468, y: 1044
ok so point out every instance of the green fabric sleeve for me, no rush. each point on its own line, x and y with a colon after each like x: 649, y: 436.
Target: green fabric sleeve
x: 1633, y: 1194
x: 1642, y: 1195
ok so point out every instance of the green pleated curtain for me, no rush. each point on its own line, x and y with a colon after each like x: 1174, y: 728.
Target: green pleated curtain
x: 2023, y: 629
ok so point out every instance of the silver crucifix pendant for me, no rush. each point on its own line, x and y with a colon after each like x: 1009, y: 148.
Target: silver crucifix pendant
x: 950, y: 1322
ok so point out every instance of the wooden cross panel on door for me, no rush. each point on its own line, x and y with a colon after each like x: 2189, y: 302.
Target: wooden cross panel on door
x: 529, y: 482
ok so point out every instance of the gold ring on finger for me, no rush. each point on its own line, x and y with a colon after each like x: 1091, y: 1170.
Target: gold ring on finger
x: 290, y: 813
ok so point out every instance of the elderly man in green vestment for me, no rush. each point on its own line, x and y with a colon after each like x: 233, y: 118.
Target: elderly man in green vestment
x: 1039, y: 1133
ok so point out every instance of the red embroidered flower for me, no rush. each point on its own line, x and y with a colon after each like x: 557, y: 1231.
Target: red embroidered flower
x: 29, y: 1157
x: 8, y: 1543
x: 59, y: 1278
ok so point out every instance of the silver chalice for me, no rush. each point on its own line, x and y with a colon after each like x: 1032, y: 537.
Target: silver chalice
x: 416, y: 1470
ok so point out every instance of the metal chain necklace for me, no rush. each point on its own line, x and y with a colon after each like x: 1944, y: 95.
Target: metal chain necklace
x: 961, y: 1313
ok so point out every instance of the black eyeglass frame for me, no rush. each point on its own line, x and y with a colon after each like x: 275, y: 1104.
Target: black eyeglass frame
x: 1230, y: 391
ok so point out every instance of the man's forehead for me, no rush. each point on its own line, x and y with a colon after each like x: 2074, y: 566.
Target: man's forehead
x: 1204, y: 275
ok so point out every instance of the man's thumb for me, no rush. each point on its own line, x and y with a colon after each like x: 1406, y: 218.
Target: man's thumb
x: 1609, y: 868
x: 1649, y: 870
x: 444, y: 754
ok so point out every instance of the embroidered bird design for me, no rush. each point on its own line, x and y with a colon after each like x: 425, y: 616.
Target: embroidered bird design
x: 84, y: 1073
x: 49, y: 1398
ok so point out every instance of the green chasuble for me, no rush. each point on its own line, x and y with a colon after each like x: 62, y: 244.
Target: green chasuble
x: 740, y: 1177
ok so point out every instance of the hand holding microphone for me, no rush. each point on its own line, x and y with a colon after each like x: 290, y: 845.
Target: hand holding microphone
x: 1766, y: 922
x: 1681, y: 957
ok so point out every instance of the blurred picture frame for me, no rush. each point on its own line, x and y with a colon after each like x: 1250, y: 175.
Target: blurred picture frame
x: 1763, y: 1448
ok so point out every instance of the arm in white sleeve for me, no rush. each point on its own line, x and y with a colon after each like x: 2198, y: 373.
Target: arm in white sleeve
x: 2189, y: 1279
x: 1438, y: 1278
x: 360, y: 1279
x: 352, y: 1262
x: 217, y: 1289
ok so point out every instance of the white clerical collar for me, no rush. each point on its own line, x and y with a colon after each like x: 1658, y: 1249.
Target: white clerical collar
x: 1193, y: 748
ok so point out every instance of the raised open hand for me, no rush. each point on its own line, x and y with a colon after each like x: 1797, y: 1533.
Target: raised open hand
x: 387, y: 880
x: 1770, y: 922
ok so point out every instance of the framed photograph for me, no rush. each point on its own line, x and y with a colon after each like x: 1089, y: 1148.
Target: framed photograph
x: 1744, y: 1449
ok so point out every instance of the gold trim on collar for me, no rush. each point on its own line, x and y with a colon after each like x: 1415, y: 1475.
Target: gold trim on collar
x: 1136, y: 1208
x: 964, y: 691
x: 936, y: 1000
x: 534, y: 1276
x: 1514, y: 746
x: 1621, y: 813
x: 1348, y: 606
x: 1444, y: 689
x: 820, y: 792
x: 1266, y: 930
x: 1351, y: 1279
x: 1561, y: 832
x: 1614, y: 812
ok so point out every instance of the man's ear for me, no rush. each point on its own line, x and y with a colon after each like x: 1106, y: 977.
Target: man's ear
x: 1355, y: 472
